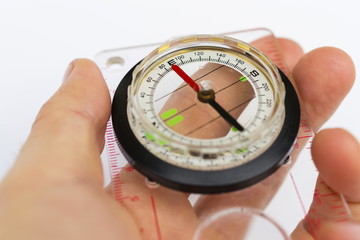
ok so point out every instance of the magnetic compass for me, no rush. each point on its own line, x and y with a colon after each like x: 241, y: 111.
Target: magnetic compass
x: 206, y: 114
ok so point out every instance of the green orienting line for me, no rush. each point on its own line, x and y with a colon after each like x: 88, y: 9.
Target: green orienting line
x: 175, y: 120
x: 169, y: 113
x: 243, y: 79
x: 162, y: 142
x: 241, y: 150
x: 234, y: 129
x: 150, y: 137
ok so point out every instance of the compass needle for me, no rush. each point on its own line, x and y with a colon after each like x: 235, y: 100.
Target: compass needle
x: 203, y: 115
x: 186, y: 77
x: 226, y: 115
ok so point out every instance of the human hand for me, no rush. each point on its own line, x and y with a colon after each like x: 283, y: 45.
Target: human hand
x: 55, y: 189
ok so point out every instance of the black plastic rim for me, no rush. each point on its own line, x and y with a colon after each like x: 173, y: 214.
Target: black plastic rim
x: 198, y: 181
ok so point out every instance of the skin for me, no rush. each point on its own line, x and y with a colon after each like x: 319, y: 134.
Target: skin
x: 55, y: 189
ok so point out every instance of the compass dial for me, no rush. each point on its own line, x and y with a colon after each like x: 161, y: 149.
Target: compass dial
x: 204, y: 104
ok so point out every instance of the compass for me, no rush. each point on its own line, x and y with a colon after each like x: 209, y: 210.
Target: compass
x: 206, y: 114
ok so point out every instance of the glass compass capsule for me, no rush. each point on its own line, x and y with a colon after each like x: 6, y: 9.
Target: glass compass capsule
x: 206, y: 114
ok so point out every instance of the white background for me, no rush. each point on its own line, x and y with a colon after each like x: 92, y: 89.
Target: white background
x: 39, y: 38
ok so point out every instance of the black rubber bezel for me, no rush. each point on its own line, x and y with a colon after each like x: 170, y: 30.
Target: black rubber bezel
x: 198, y: 181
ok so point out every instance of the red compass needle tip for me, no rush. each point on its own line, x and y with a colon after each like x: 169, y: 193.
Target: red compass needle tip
x: 186, y: 77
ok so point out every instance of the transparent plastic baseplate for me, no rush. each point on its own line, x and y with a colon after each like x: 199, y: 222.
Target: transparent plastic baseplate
x: 292, y: 202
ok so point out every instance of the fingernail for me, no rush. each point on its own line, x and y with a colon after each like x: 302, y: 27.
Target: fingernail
x: 68, y: 71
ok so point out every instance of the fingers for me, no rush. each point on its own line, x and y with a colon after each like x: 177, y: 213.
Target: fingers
x: 311, y: 76
x: 323, y: 78
x: 336, y: 154
x: 67, y: 136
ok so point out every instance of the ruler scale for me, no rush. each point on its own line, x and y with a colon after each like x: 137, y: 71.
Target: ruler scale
x: 115, y: 165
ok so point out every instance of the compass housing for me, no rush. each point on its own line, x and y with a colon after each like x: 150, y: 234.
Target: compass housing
x: 213, y: 165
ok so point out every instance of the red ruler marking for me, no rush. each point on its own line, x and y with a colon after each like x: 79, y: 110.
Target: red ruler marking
x: 329, y: 195
x: 301, y: 137
x: 337, y: 207
x: 271, y: 50
x: 113, y: 156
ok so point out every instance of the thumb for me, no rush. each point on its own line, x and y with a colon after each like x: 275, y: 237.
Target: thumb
x: 67, y: 136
